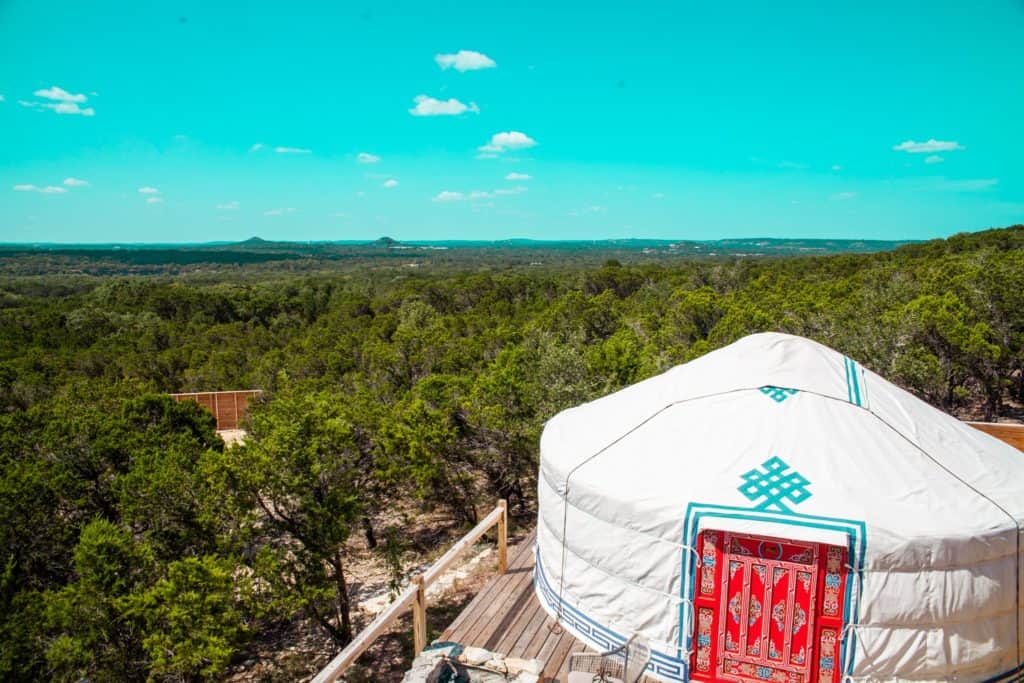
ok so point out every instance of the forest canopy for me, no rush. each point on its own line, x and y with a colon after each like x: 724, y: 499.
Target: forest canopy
x: 137, y: 546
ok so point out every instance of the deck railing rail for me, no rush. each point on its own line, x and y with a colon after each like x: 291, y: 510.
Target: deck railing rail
x: 1010, y: 432
x: 415, y: 596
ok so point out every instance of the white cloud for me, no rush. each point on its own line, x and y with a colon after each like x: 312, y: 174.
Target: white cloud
x: 970, y: 185
x: 512, y: 139
x: 257, y: 147
x: 840, y: 196
x: 658, y: 195
x: 428, y: 106
x: 1, y: 98
x: 792, y: 165
x: 476, y: 195
x: 60, y: 107
x: 514, y: 190
x: 589, y: 209
x: 63, y: 102
x: 75, y: 182
x: 518, y: 176
x: 229, y: 206
x: 72, y: 108
x: 837, y: 167
x: 59, y: 94
x: 292, y: 150
x: 933, y: 159
x: 148, y: 190
x: 367, y: 158
x: 154, y: 200
x: 48, y: 189
x: 932, y: 145
x: 390, y: 182
x: 465, y: 60
x: 280, y: 212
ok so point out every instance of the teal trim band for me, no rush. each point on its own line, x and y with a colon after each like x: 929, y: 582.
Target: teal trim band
x: 599, y: 636
x: 853, y: 393
x: 846, y: 369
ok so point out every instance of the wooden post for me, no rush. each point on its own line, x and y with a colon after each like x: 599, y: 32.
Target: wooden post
x: 415, y: 597
x: 419, y: 616
x: 503, y: 537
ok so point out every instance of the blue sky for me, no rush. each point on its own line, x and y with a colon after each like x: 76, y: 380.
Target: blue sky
x: 198, y: 121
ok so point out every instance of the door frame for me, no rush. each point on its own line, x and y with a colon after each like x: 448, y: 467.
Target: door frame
x: 750, y: 660
x: 700, y: 516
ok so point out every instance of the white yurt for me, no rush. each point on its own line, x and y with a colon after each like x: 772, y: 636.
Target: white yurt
x: 773, y: 511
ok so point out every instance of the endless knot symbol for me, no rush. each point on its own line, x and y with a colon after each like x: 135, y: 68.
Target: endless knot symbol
x: 775, y: 485
x: 777, y: 394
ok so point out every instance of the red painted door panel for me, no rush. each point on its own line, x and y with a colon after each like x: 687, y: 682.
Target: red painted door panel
x: 767, y: 609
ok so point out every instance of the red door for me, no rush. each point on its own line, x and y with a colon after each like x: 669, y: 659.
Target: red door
x: 767, y: 609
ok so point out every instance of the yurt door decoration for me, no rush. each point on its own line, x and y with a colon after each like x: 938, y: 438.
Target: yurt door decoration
x: 768, y: 609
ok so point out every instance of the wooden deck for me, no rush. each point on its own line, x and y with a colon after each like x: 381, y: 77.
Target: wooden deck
x: 505, y: 617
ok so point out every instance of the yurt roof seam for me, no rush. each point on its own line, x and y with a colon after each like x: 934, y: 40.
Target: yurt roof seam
x: 565, y: 494
x: 656, y: 413
x: 999, y: 507
x: 953, y: 474
x: 906, y: 438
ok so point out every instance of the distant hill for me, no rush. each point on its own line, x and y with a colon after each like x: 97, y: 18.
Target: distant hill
x: 143, y: 259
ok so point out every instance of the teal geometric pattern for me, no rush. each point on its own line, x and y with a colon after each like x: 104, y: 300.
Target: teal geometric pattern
x: 775, y: 485
x: 777, y: 394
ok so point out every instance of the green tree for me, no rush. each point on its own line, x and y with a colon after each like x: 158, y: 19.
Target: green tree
x: 193, y: 619
x: 95, y: 634
x: 298, y: 484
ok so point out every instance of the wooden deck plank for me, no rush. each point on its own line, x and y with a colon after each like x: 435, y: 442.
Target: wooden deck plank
x: 506, y: 617
x: 497, y: 599
x: 558, y: 663
x: 518, y: 629
x: 532, y: 631
x: 493, y: 593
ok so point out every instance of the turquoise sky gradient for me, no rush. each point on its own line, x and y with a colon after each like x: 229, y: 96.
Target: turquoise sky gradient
x: 669, y: 119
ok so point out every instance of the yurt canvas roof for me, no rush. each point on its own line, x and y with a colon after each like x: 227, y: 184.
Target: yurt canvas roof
x: 782, y: 437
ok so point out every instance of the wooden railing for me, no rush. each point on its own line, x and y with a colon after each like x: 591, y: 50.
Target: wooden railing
x: 415, y: 596
x: 1011, y: 433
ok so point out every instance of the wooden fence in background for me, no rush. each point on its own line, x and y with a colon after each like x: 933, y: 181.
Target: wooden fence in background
x: 228, y: 407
